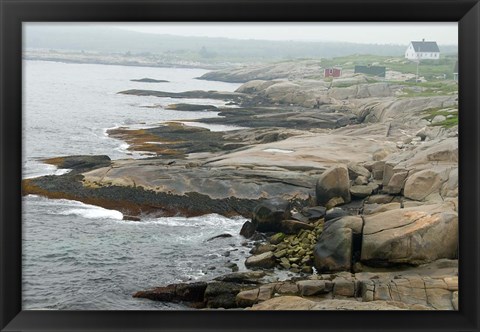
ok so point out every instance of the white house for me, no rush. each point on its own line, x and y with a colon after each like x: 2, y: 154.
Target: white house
x: 422, y: 50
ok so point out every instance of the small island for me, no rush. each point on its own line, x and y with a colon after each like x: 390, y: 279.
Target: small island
x: 149, y: 80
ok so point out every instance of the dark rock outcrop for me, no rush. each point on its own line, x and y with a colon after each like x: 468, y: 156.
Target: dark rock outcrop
x: 285, y: 117
x: 80, y: 163
x: 268, y: 215
x: 191, y: 107
x: 188, y: 94
x: 250, y: 277
x: 221, y: 294
x: 135, y: 200
x: 220, y: 236
x: 149, y: 80
x: 335, y: 246
x: 186, y: 292
x: 248, y: 229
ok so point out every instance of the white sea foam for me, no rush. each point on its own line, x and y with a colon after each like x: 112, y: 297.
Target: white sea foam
x: 62, y: 171
x: 36, y: 169
x: 123, y: 148
x: 88, y: 211
x: 212, y: 220
x: 94, y: 213
x: 68, y: 207
x: 105, y: 130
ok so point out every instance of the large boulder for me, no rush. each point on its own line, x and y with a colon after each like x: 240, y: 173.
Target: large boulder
x: 248, y: 229
x: 396, y: 182
x: 265, y: 260
x: 415, y: 235
x: 362, y: 191
x: 335, y: 246
x: 247, y: 298
x: 268, y: 215
x: 378, y: 168
x: 334, y: 182
x: 424, y: 183
x: 356, y: 170
x: 313, y: 287
x: 422, y: 173
x: 450, y: 187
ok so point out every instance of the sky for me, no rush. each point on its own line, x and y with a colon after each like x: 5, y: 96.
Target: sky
x: 445, y: 33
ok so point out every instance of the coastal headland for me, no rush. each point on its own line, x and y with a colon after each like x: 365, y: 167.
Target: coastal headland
x: 350, y: 185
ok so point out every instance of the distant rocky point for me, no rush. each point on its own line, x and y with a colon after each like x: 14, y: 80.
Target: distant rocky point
x: 149, y: 80
x: 190, y: 107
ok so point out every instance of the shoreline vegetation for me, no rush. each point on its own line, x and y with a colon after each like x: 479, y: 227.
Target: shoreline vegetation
x: 350, y: 184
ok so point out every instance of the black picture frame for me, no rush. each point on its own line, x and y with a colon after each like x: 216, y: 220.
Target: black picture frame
x: 14, y: 12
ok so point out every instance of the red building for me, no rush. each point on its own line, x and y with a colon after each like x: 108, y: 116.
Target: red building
x: 332, y: 72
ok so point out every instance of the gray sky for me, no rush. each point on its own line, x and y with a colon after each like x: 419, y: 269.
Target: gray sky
x: 445, y: 33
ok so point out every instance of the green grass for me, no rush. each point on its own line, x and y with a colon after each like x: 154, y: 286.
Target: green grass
x: 447, y: 123
x: 429, y: 89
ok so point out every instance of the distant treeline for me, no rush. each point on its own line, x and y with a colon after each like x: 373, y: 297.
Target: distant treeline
x: 112, y: 40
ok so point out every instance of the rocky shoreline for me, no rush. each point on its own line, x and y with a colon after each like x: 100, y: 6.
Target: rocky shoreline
x: 351, y: 186
x: 430, y: 287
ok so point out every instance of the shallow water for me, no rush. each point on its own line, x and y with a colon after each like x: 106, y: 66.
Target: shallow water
x: 83, y: 257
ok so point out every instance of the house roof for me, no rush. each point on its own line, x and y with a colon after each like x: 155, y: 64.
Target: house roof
x: 425, y: 46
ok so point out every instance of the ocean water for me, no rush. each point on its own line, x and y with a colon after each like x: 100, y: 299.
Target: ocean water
x: 84, y: 257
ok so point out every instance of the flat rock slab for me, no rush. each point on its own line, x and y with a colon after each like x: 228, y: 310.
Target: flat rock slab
x: 298, y: 303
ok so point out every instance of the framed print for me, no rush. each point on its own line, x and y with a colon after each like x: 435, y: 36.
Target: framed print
x: 243, y: 166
